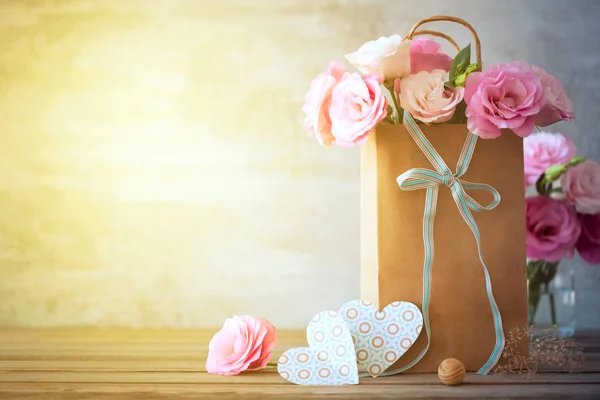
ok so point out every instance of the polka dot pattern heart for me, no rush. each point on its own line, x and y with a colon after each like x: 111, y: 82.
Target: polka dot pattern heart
x: 381, y: 338
x: 329, y: 359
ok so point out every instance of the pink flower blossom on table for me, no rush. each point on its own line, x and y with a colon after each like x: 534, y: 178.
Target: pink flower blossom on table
x: 424, y: 96
x: 556, y: 106
x: 318, y: 101
x: 386, y: 58
x: 427, y: 55
x: 552, y: 229
x: 588, y: 244
x: 506, y: 96
x: 358, y: 105
x: 244, y: 343
x: 581, y: 186
x: 543, y: 150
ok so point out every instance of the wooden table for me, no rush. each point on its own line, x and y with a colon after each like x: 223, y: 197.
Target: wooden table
x: 65, y: 364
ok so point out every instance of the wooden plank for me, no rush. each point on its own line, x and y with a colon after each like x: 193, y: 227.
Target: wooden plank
x: 62, y: 391
x: 116, y: 364
x: 100, y: 364
x: 269, y: 376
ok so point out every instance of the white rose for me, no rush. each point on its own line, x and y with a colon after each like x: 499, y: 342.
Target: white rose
x: 387, y: 58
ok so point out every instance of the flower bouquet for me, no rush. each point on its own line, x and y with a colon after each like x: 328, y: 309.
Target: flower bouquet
x: 563, y: 216
x: 344, y: 108
x: 412, y: 107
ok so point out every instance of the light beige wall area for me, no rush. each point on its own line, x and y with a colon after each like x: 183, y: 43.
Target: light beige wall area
x: 153, y: 166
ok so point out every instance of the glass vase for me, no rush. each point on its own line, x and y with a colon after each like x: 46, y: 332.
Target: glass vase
x: 551, y: 297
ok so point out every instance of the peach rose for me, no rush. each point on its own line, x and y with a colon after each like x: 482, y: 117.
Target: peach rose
x: 424, y: 96
x: 357, y: 106
x: 317, y: 102
x: 243, y: 343
x: 387, y: 58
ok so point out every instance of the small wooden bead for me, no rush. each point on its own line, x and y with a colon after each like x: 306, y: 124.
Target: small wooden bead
x: 451, y: 372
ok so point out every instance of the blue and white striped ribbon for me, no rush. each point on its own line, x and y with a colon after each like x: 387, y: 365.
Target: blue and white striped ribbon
x: 421, y: 178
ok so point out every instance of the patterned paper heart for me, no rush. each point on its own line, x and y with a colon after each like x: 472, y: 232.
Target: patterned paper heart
x: 330, y: 358
x: 381, y: 338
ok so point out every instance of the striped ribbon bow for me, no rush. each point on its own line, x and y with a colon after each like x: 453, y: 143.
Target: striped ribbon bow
x: 421, y: 178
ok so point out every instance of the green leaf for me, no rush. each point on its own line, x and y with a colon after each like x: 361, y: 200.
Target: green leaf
x: 471, y: 68
x: 462, y: 59
x: 554, y: 172
x: 533, y: 269
x: 449, y: 84
x: 540, y: 184
x: 576, y: 160
x: 461, y: 80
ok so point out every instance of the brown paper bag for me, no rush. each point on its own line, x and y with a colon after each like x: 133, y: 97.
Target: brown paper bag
x: 392, y: 249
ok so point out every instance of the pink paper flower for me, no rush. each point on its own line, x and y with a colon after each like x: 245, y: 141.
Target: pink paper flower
x: 543, y: 150
x: 424, y: 96
x: 426, y: 55
x: 552, y: 229
x: 318, y: 101
x: 556, y: 106
x: 581, y: 186
x: 357, y: 106
x: 243, y: 343
x: 588, y: 244
x: 506, y: 96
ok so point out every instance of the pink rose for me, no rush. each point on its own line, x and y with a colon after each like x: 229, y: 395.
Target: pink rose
x: 424, y: 96
x: 552, y: 229
x: 357, y: 106
x: 243, y: 343
x: 581, y: 186
x: 556, y: 106
x: 506, y: 96
x: 543, y: 150
x: 426, y: 55
x: 318, y: 101
x: 588, y: 244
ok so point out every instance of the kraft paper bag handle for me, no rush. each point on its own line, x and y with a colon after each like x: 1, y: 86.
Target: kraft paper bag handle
x: 413, y: 32
x: 448, y: 38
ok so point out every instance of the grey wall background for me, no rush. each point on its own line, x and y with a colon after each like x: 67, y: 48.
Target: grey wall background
x: 154, y: 167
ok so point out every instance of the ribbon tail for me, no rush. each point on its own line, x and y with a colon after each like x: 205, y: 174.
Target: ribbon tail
x: 431, y: 198
x: 500, y: 339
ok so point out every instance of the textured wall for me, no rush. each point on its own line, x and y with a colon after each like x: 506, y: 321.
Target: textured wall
x: 153, y: 167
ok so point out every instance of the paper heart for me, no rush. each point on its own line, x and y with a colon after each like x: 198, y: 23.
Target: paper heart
x: 381, y: 338
x: 330, y: 358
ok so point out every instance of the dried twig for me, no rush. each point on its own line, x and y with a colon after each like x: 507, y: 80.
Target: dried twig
x: 545, y: 350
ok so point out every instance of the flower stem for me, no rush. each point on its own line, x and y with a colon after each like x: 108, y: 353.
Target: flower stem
x: 534, y: 300
x: 539, y: 275
x: 552, y: 308
x: 390, y: 119
x: 534, y: 284
x: 394, y: 96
